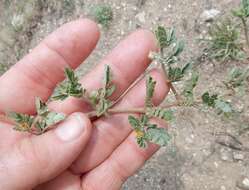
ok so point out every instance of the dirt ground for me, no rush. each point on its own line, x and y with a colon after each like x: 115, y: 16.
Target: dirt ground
x: 194, y: 160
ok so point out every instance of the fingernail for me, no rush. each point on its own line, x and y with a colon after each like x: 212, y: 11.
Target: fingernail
x: 71, y: 128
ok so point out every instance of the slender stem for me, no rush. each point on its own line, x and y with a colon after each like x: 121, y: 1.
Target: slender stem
x: 128, y: 89
x: 138, y: 110
x: 245, y: 30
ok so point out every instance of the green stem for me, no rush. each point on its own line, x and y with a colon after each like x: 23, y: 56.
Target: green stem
x: 139, y: 110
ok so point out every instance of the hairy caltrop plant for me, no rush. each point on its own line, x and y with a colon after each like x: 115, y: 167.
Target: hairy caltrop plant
x: 145, y: 129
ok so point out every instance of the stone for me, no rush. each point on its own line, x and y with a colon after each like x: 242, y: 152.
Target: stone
x: 226, y: 155
x: 141, y: 17
x: 238, y: 156
x: 209, y: 15
x: 243, y: 183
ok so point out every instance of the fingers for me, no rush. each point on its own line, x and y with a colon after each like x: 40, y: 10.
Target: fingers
x: 65, y: 181
x: 127, y: 61
x: 108, y: 133
x: 123, y: 163
x: 39, y: 72
x: 35, y: 160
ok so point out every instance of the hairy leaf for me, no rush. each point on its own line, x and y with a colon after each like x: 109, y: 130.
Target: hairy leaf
x: 99, y: 98
x: 223, y: 107
x: 23, y: 121
x: 176, y: 74
x: 71, y: 87
x: 150, y: 88
x: 41, y: 107
x: 147, y: 132
x: 158, y: 136
x: 103, y: 14
x: 160, y: 113
x: 53, y: 118
x: 245, y: 5
x: 165, y: 37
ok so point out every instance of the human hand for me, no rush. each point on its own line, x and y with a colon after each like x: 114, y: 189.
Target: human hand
x: 63, y: 158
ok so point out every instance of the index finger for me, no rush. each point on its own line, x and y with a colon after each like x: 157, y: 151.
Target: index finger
x: 38, y: 73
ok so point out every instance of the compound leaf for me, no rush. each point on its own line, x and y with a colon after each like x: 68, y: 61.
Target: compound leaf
x: 209, y: 100
x: 158, y: 136
x: 150, y: 88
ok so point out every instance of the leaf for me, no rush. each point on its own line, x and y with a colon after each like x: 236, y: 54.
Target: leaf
x: 245, y: 5
x: 160, y: 113
x: 23, y: 121
x: 103, y: 14
x: 164, y: 37
x: 110, y: 91
x: 150, y: 88
x: 179, y: 48
x: 176, y: 74
x: 223, y: 106
x: 71, y: 87
x: 189, y: 87
x: 209, y: 100
x: 186, y: 68
x: 102, y: 106
x: 147, y: 132
x: 53, y: 118
x: 134, y: 122
x: 99, y: 98
x: 142, y: 142
x: 41, y: 107
x: 158, y: 136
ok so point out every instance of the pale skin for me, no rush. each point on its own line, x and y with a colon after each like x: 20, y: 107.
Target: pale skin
x: 104, y: 153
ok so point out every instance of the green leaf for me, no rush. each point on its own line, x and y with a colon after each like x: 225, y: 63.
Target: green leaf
x: 99, y: 98
x: 41, y: 107
x: 175, y: 74
x: 150, y: 88
x: 165, y: 37
x: 134, y: 122
x: 71, y: 87
x: 102, y: 106
x: 223, y: 106
x: 179, y: 48
x: 189, y: 87
x: 23, y: 121
x: 53, y: 118
x: 142, y: 142
x: 103, y: 14
x: 245, y: 5
x: 161, y: 113
x: 209, y: 100
x: 147, y: 132
x: 110, y: 91
x: 158, y: 136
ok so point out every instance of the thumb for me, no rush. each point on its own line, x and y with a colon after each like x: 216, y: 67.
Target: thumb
x: 38, y: 159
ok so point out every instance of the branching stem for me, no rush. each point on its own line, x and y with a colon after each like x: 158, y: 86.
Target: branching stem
x: 138, y: 110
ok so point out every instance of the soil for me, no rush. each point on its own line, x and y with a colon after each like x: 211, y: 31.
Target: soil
x: 195, y: 159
